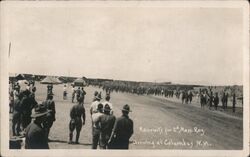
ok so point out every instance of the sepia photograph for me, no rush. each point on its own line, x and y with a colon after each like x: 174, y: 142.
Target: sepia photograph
x: 137, y: 76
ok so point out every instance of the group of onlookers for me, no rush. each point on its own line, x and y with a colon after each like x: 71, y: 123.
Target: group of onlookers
x: 28, y: 120
x: 108, y: 131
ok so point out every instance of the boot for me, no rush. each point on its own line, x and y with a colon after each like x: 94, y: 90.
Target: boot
x: 77, y: 137
x: 70, y: 138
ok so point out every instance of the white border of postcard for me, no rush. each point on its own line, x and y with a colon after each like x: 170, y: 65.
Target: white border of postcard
x: 6, y: 6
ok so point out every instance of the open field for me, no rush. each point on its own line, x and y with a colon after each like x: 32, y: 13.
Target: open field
x: 159, y: 123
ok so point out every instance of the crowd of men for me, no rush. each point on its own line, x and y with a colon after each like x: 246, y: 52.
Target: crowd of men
x: 33, y: 121
x: 108, y: 132
x: 27, y: 119
x: 211, y: 99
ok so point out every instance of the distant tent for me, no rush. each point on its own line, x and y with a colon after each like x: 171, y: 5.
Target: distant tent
x: 79, y: 82
x: 50, y: 80
x: 20, y: 77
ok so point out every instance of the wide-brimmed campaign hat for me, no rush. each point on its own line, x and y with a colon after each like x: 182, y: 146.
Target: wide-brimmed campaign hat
x: 99, y: 96
x: 107, y: 108
x: 126, y: 108
x: 39, y: 110
x: 96, y: 93
x: 100, y: 106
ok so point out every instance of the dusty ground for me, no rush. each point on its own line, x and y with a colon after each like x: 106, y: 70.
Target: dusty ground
x: 159, y: 123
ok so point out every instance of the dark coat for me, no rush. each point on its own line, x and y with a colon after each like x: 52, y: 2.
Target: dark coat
x: 106, y: 124
x: 123, y: 130
x: 35, y: 137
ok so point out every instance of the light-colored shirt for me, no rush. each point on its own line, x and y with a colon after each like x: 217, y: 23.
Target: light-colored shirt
x: 93, y: 106
x: 15, y: 93
x: 96, y: 118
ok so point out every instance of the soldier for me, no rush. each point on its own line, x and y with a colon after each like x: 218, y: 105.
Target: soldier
x: 190, y: 97
x: 95, y: 95
x: 183, y: 97
x: 16, y: 119
x: 51, y: 116
x: 49, y: 89
x: 76, y: 112
x: 122, y: 131
x: 73, y: 93
x: 234, y: 102
x: 211, y: 99
x: 226, y: 100
x: 96, y: 129
x: 35, y: 137
x: 93, y: 107
x: 216, y: 101
x: 78, y: 93
x: 107, y: 98
x: 11, y: 101
x: 65, y: 92
x: 83, y: 93
x: 106, y: 123
x: 27, y: 107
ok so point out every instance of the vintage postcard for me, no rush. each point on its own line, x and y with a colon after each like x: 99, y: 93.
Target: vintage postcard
x: 136, y: 78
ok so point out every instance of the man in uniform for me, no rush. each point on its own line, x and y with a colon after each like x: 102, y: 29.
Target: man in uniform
x: 216, y: 101
x: 73, y: 93
x: 122, y: 131
x: 93, y: 107
x: 211, y: 99
x: 49, y: 89
x: 107, y: 98
x: 96, y: 130
x: 65, y: 92
x: 35, y: 137
x: 76, y: 122
x: 107, y: 122
x: 234, y: 102
x: 27, y: 107
x: 95, y: 95
x: 16, y: 119
x: 223, y: 100
x: 83, y: 93
x: 51, y: 116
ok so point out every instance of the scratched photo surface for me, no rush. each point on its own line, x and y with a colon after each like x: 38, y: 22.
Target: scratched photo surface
x: 168, y: 65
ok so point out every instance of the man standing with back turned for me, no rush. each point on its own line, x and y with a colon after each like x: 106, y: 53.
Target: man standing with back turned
x: 76, y: 112
x: 122, y: 131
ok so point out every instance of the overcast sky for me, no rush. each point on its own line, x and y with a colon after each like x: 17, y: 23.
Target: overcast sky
x: 183, y: 45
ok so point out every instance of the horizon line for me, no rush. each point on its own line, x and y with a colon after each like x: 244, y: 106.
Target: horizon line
x: 171, y: 82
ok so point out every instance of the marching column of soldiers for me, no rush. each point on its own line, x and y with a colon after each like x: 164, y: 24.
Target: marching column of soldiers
x: 206, y: 97
x: 211, y: 99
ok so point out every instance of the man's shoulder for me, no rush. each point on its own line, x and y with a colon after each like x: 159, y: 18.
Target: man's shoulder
x: 34, y: 128
x: 107, y: 116
x: 74, y: 107
x: 123, y: 118
x: 95, y: 103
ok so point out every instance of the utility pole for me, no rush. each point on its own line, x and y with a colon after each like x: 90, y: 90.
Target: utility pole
x: 9, y: 48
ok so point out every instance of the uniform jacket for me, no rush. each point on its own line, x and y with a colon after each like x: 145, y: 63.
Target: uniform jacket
x: 35, y: 137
